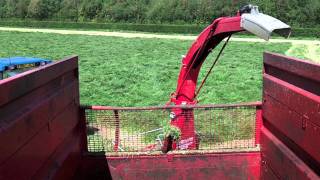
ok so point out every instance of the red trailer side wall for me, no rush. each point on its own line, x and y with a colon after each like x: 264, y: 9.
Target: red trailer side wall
x: 291, y: 118
x: 232, y: 165
x: 39, y: 123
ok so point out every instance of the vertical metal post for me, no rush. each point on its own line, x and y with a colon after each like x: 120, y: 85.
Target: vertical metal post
x: 83, y: 129
x: 117, y: 131
x: 258, y: 125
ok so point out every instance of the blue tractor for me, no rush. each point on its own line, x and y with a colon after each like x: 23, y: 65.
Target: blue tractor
x: 15, y: 65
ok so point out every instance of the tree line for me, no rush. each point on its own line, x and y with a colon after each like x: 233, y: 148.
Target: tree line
x: 295, y: 12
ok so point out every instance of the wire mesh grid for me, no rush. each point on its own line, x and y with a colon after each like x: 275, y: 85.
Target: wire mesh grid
x: 143, y: 130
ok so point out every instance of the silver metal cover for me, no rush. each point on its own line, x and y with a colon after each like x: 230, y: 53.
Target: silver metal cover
x: 263, y: 25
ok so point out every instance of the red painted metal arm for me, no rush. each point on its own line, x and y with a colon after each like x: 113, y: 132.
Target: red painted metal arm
x: 192, y: 62
x: 248, y: 18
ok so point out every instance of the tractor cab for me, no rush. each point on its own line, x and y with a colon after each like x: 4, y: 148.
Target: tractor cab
x: 15, y: 65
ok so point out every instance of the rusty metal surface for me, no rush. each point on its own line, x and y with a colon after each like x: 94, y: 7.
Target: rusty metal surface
x: 39, y: 112
x: 197, y: 166
x: 291, y: 106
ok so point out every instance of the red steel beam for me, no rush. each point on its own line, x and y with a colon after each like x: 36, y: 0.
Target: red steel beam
x: 304, y: 75
x: 258, y: 125
x: 117, y: 131
x: 307, y: 69
x: 239, y: 105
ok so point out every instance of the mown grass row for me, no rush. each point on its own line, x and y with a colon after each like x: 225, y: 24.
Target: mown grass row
x: 153, y: 28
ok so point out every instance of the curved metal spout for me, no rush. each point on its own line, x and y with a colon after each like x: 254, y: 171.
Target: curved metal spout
x: 263, y: 25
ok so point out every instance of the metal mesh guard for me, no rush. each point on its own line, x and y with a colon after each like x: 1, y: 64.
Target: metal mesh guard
x: 141, y: 130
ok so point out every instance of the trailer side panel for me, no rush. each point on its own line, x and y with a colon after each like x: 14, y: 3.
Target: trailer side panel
x: 39, y: 129
x: 291, y: 117
x: 236, y: 165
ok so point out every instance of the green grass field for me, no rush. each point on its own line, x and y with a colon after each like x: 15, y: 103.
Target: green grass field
x: 141, y: 72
